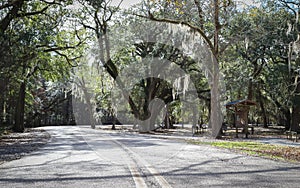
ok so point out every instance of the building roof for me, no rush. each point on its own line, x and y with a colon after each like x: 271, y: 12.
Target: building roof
x: 245, y: 102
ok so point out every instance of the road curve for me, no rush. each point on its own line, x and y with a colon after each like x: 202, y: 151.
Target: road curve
x: 82, y: 157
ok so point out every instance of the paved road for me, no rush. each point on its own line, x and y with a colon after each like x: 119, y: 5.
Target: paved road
x: 82, y: 157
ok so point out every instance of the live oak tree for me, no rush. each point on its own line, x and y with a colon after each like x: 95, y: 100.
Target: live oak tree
x: 294, y: 59
x: 91, y: 88
x: 262, y: 50
x: 101, y: 13
x: 208, y: 19
x: 259, y: 44
x: 34, y: 42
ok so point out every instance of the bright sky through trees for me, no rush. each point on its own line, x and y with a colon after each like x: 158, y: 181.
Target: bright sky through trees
x: 129, y: 3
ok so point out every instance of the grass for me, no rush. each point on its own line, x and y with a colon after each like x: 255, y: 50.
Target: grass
x: 277, y: 152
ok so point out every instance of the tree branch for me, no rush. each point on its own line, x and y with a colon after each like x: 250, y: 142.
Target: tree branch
x: 6, y: 6
x: 67, y: 58
x: 54, y: 2
x: 195, y: 28
x: 200, y: 13
x: 58, y: 48
x: 287, y: 4
x: 4, y: 23
x: 33, y: 13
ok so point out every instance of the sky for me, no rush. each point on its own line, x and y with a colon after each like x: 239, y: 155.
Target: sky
x: 125, y: 3
x: 129, y: 3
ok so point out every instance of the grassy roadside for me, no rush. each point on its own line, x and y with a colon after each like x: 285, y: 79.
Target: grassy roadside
x: 291, y: 154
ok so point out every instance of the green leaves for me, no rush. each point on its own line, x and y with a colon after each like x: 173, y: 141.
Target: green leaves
x: 41, y: 42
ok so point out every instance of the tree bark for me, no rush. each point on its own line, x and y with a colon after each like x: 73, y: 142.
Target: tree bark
x: 250, y: 90
x: 217, y: 26
x: 89, y: 107
x: 296, y: 109
x: 147, y: 125
x: 113, y: 122
x: 19, y: 113
x: 288, y: 119
x: 263, y: 110
x: 4, y: 23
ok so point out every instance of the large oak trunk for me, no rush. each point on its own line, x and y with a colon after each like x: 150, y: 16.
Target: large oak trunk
x: 296, y: 110
x: 19, y: 114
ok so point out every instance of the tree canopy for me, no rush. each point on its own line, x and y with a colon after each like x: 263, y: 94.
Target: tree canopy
x: 56, y: 50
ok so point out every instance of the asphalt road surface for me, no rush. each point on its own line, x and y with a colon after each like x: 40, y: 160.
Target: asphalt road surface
x: 82, y: 157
